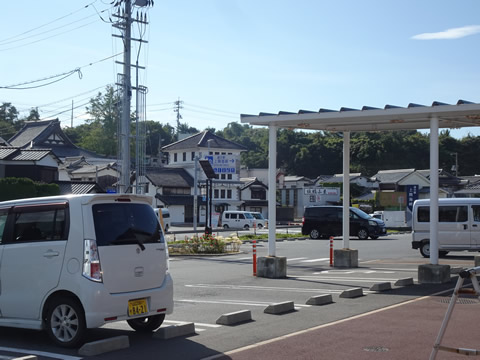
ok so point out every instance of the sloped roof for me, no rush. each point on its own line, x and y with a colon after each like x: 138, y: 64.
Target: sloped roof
x: 47, y: 134
x: 17, y: 154
x: 392, y: 176
x: 338, y: 178
x: 3, y: 142
x: 179, y: 199
x: 200, y: 140
x: 253, y: 182
x: 78, y: 187
x: 171, y: 177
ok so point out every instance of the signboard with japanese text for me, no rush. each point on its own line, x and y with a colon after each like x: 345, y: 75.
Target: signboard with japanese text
x: 224, y: 164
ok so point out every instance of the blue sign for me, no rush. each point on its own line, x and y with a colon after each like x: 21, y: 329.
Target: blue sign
x: 412, y: 195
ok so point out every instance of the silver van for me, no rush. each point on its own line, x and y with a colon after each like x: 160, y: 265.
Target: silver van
x: 236, y: 219
x: 458, y: 225
x: 70, y: 263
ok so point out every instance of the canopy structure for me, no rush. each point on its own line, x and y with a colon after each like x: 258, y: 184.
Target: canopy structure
x: 346, y: 120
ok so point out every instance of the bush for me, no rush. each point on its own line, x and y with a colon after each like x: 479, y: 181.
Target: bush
x: 21, y: 188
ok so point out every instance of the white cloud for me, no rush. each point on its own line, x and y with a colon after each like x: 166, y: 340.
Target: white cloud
x: 455, y: 33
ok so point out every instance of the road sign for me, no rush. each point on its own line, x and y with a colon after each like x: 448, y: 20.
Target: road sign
x: 223, y: 164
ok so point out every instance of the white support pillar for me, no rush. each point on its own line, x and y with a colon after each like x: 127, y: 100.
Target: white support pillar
x: 346, y: 190
x: 434, y: 190
x: 272, y: 189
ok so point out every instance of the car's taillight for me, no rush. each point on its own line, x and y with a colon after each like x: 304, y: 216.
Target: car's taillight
x: 91, y: 261
x: 303, y: 220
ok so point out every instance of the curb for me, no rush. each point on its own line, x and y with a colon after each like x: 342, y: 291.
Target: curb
x: 105, y: 345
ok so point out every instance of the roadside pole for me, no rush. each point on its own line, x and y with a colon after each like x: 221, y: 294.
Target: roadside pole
x: 254, y: 252
x: 331, y: 250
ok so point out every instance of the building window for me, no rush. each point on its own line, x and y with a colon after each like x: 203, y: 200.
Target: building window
x: 193, y: 155
x: 184, y: 156
x: 215, y: 193
x: 260, y: 194
x: 222, y: 176
x: 229, y: 176
x: 229, y: 194
x: 176, y: 191
x: 175, y: 157
x: 222, y: 193
x: 255, y: 209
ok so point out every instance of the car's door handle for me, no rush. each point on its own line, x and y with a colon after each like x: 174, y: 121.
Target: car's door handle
x: 51, y: 253
x: 465, y: 226
x: 474, y: 225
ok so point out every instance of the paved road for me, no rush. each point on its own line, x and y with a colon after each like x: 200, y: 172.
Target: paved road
x: 207, y: 287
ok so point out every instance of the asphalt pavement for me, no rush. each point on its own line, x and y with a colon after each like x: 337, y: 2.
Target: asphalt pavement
x: 403, y: 331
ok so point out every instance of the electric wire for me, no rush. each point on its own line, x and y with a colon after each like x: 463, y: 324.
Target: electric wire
x: 48, y: 23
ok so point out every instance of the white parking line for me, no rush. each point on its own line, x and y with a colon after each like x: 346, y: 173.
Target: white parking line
x: 344, y: 279
x: 187, y: 322
x: 40, y: 353
x: 315, y: 260
x: 235, y: 302
x: 295, y: 259
x: 259, y: 288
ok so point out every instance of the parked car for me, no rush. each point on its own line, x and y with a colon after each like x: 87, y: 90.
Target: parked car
x: 163, y: 215
x: 458, y: 225
x: 326, y: 221
x: 71, y: 263
x: 237, y: 219
x: 260, y: 221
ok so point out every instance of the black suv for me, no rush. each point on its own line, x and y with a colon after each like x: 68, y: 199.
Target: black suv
x: 326, y: 221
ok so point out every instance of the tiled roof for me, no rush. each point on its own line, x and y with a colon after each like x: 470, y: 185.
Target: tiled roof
x: 16, y: 154
x: 31, y: 131
x: 200, y: 140
x: 253, y: 182
x: 392, y: 176
x: 78, y: 187
x: 175, y: 177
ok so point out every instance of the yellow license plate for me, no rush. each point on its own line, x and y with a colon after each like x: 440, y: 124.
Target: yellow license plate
x: 137, y: 307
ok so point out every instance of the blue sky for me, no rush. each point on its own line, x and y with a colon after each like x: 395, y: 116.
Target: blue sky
x: 227, y: 57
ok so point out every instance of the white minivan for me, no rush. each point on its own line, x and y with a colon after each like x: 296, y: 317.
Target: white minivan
x: 163, y: 215
x: 69, y: 263
x: 236, y: 219
x: 458, y: 225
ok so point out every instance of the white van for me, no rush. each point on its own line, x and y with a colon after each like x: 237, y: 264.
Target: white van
x: 69, y: 263
x: 237, y: 219
x: 164, y: 217
x: 458, y: 225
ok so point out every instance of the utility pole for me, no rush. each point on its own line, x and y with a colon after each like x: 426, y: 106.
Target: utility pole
x: 124, y: 24
x: 178, y: 106
x: 126, y: 98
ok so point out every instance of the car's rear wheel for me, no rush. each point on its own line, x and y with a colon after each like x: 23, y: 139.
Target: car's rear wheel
x: 65, y: 322
x: 314, y: 234
x: 246, y: 227
x: 425, y: 249
x: 442, y: 253
x: 260, y: 226
x: 225, y: 226
x: 147, y: 324
x: 362, y: 234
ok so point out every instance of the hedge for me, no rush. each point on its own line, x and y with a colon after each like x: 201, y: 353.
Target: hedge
x: 20, y: 188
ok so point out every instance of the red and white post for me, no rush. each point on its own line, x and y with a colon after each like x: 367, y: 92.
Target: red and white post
x: 254, y: 252
x: 331, y: 250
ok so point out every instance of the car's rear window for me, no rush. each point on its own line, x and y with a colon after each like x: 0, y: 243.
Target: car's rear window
x: 118, y: 224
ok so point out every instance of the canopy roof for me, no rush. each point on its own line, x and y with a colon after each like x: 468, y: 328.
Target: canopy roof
x: 414, y: 116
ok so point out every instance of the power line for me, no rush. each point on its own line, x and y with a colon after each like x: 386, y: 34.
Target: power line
x: 46, y: 24
x: 60, y: 76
